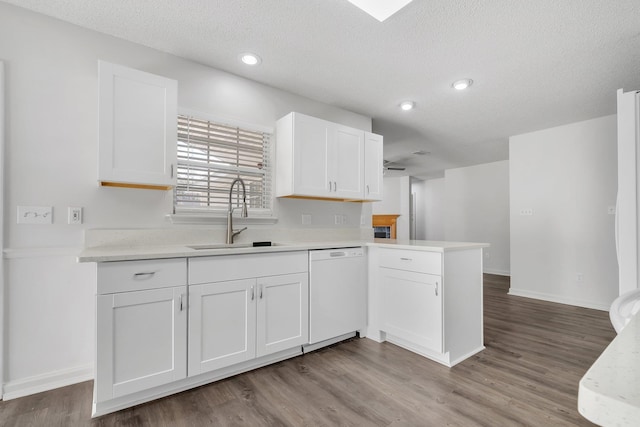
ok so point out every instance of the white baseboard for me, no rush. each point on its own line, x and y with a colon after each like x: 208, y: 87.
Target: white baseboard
x: 558, y: 298
x: 46, y: 382
x: 496, y: 272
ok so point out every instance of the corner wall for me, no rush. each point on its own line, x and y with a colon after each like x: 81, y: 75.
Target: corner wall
x: 563, y: 184
x: 476, y: 201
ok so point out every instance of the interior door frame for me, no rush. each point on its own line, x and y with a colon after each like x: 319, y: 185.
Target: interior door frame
x: 2, y: 292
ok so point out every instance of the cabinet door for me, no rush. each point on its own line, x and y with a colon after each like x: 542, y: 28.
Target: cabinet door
x: 222, y: 318
x: 411, y: 307
x: 141, y: 340
x: 283, y: 312
x: 373, y: 151
x: 346, y: 161
x: 137, y: 127
x: 310, y: 157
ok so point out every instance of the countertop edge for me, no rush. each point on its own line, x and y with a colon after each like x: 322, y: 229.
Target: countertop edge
x: 135, y: 253
x: 604, y: 396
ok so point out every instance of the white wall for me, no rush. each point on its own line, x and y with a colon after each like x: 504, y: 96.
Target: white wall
x: 430, y: 195
x: 52, y: 114
x: 469, y: 204
x: 395, y: 200
x: 477, y: 210
x: 565, y: 251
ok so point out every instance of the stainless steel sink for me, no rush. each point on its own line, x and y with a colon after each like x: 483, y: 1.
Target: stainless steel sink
x: 221, y: 246
x: 229, y: 246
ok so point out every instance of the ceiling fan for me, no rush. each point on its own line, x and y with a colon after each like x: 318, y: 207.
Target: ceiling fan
x: 396, y: 165
x: 389, y: 166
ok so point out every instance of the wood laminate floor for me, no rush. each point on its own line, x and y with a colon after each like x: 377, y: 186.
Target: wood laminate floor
x: 536, y: 352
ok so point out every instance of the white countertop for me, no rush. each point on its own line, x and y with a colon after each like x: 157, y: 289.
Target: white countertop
x: 141, y: 252
x: 609, y: 393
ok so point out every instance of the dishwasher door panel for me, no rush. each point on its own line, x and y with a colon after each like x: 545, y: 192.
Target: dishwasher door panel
x: 338, y: 296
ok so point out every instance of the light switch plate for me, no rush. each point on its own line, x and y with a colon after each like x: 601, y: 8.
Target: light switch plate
x: 74, y: 215
x: 35, y: 214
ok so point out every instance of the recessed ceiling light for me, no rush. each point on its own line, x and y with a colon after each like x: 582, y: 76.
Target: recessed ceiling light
x: 250, y: 58
x: 407, y: 105
x: 380, y: 9
x: 462, y: 84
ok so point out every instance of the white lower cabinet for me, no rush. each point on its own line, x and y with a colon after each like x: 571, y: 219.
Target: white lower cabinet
x: 141, y: 335
x: 429, y: 302
x: 222, y: 319
x: 235, y: 321
x: 283, y: 313
x: 264, y: 311
x: 412, y: 307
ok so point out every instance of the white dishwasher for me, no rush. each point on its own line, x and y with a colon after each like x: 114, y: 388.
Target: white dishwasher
x: 337, y: 293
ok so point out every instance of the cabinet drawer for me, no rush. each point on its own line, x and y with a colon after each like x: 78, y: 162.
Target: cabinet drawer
x: 418, y: 261
x: 125, y: 276
x: 233, y: 267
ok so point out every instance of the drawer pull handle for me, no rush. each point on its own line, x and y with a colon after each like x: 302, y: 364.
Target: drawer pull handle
x: 253, y: 293
x: 260, y: 291
x: 144, y: 275
x: 181, y: 302
x: 406, y: 259
x: 436, y: 288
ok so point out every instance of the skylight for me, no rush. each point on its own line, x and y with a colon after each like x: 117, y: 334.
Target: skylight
x: 380, y: 9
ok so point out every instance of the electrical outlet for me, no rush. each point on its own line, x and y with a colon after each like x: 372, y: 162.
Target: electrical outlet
x: 337, y: 219
x: 306, y: 219
x: 526, y: 212
x: 35, y: 215
x: 611, y: 210
x: 579, y: 277
x: 74, y: 215
x: 344, y: 219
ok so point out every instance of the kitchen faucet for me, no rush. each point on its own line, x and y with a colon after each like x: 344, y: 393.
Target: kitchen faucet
x: 231, y: 233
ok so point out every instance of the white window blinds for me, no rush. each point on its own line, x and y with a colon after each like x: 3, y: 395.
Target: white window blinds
x: 211, y: 156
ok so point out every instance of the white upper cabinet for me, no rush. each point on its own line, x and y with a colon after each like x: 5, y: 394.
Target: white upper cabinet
x: 137, y: 128
x: 373, y: 166
x: 302, y: 152
x: 346, y: 161
x: 319, y: 159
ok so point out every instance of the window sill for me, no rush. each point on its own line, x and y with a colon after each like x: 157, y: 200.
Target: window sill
x: 201, y: 218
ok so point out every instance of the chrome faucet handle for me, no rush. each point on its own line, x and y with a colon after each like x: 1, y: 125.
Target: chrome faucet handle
x: 236, y: 232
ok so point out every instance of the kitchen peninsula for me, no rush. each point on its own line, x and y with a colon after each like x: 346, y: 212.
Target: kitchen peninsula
x: 424, y: 296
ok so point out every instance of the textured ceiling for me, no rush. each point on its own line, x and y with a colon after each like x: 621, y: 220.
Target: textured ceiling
x: 535, y: 64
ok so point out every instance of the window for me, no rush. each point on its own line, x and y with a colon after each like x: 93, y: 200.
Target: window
x: 210, y: 156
